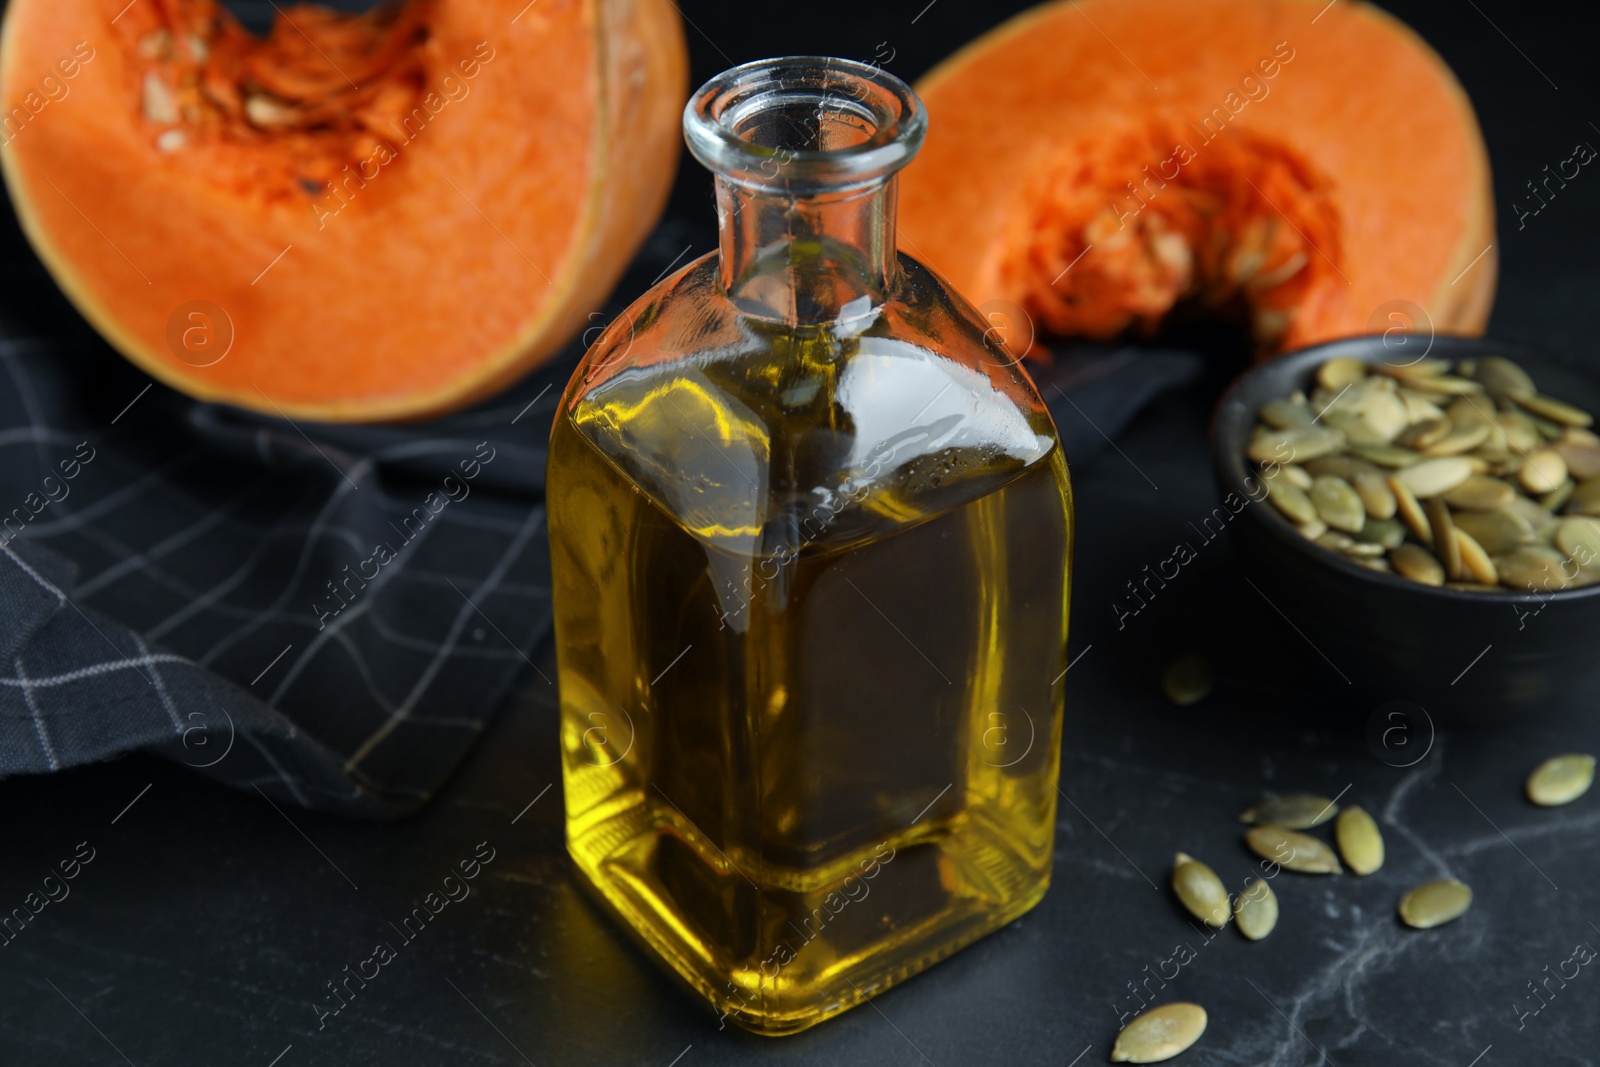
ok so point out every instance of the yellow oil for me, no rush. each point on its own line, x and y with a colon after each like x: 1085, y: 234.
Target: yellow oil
x: 810, y: 693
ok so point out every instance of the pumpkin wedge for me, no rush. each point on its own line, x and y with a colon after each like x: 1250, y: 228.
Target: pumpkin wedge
x: 1314, y: 168
x: 355, y: 217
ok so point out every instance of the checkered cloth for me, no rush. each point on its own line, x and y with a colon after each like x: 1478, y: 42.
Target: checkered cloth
x: 329, y: 614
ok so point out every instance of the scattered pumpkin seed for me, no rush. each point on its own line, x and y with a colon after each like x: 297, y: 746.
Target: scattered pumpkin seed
x: 1359, y: 841
x: 1416, y: 563
x: 1159, y: 1034
x: 1255, y: 910
x: 1435, y: 903
x: 1200, y: 890
x: 1561, y: 780
x: 1292, y: 811
x: 1293, y: 851
x: 1187, y: 679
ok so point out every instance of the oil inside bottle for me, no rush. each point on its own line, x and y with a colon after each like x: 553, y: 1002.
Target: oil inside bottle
x: 811, y: 642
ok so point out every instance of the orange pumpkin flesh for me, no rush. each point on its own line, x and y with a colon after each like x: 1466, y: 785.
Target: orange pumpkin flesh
x: 1098, y: 162
x: 396, y: 213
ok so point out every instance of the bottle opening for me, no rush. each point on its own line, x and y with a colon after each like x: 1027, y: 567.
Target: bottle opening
x: 804, y: 124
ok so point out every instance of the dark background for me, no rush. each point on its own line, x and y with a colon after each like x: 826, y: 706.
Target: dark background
x: 207, y: 925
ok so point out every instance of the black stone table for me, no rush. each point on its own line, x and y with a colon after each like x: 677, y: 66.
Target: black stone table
x: 206, y: 926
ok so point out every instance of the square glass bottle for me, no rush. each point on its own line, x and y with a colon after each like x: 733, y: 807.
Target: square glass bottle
x: 811, y: 532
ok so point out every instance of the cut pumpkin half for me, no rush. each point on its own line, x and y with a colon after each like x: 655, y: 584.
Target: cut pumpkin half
x: 356, y: 217
x: 1314, y: 168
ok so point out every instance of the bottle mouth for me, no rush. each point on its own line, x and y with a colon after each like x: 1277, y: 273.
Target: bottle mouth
x: 804, y: 124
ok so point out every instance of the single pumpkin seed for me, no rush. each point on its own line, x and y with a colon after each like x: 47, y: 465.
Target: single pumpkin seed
x: 1445, y: 385
x: 1474, y: 559
x: 1480, y: 493
x: 1187, y: 679
x: 1462, y: 439
x: 1340, y: 466
x: 1255, y: 910
x: 1387, y: 533
x: 1312, y: 530
x: 1553, y: 410
x: 1298, y: 475
x: 1502, y: 377
x: 1417, y: 563
x: 1290, y: 499
x: 1579, y: 538
x: 1420, y: 435
x: 1292, y: 851
x: 1292, y: 811
x: 1390, y: 456
x: 1284, y: 414
x: 1358, y: 427
x: 1200, y: 890
x: 1159, y: 1034
x: 1341, y: 372
x: 1409, y: 508
x: 1434, y: 903
x: 1541, y: 523
x: 1543, y: 471
x: 1337, y: 503
x: 1498, y: 532
x: 1585, y: 499
x: 1557, y: 498
x: 1583, y: 460
x: 1359, y: 841
x: 1521, y: 434
x: 1295, y: 445
x: 1577, y: 435
x: 1534, y: 568
x: 1445, y: 545
x: 1419, y: 408
x: 1434, y: 476
x: 1420, y: 368
x: 1375, y: 494
x: 1561, y: 780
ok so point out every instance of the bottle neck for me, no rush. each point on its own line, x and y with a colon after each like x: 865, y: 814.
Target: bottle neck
x: 807, y: 259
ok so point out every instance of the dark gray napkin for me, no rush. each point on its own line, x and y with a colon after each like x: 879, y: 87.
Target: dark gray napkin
x: 329, y: 614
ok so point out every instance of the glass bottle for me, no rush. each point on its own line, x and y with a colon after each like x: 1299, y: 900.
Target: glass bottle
x: 810, y: 528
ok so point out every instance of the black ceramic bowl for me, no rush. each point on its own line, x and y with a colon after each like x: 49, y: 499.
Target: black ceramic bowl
x: 1460, y: 652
